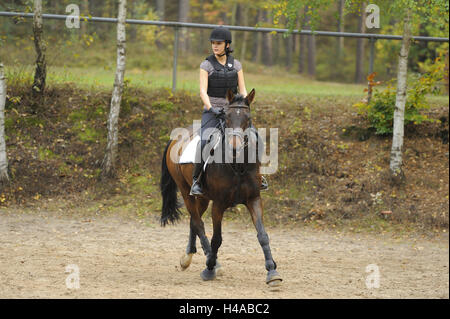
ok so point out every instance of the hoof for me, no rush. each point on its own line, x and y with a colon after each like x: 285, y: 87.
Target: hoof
x: 273, y: 278
x: 185, y: 261
x: 218, y: 268
x: 208, y: 274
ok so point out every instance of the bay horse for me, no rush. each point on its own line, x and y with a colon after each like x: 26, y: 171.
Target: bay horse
x: 225, y: 184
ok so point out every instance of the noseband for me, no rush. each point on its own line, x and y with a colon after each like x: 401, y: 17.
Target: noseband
x: 244, y: 139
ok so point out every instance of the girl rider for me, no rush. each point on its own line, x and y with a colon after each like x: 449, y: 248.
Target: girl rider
x: 218, y: 73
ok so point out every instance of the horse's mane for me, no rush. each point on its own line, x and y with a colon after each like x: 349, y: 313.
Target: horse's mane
x: 238, y: 98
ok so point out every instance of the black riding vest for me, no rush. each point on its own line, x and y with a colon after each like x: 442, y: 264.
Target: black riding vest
x: 223, y: 78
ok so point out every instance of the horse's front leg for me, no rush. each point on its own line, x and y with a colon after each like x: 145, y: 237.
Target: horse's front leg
x: 256, y: 211
x: 196, y: 208
x: 191, y: 248
x: 211, y: 262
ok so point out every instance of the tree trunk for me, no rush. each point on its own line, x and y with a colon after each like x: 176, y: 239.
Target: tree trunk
x: 276, y: 48
x: 303, y: 44
x: 312, y: 56
x: 233, y: 19
x: 246, y: 34
x: 53, y: 25
x: 109, y: 161
x: 3, y: 156
x: 183, y: 16
x: 289, y: 45
x: 311, y: 44
x: 297, y: 37
x: 132, y: 9
x: 160, y: 11
x: 341, y: 27
x: 360, y: 76
x: 84, y: 12
x: 257, y: 48
x: 41, y: 65
x: 302, y: 54
x: 399, y: 112
x: 446, y: 72
x: 267, y: 56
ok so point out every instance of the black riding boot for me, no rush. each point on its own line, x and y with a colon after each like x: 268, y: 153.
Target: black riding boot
x: 196, y: 188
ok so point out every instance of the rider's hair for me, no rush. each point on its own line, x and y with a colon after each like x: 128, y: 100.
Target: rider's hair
x: 229, y: 49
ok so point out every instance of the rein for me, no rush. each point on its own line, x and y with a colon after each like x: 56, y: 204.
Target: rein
x: 238, y: 173
x: 243, y: 169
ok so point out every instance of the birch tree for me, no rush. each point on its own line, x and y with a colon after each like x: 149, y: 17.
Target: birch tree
x: 400, y: 101
x: 41, y: 64
x: 109, y: 161
x: 3, y: 157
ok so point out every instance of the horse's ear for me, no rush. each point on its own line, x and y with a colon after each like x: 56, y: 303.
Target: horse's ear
x: 230, y: 95
x: 250, y: 97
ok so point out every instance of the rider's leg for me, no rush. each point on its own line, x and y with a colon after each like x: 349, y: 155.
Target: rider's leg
x: 264, y: 183
x: 209, y: 120
x: 196, y: 188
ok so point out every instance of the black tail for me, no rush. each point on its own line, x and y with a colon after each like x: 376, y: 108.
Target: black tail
x: 170, y: 204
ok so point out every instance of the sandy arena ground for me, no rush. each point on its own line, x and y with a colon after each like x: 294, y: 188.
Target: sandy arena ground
x: 123, y: 258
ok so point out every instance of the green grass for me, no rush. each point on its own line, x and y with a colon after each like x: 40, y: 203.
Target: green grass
x: 292, y: 85
x: 267, y: 83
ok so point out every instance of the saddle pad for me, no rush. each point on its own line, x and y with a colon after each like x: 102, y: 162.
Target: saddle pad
x: 188, y: 155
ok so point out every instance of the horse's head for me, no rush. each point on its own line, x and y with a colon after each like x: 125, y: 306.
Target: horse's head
x: 237, y: 118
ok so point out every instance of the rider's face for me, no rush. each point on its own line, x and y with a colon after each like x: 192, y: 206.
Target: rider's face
x: 218, y: 47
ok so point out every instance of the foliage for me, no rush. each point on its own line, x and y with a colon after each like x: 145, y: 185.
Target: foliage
x: 436, y: 68
x: 151, y: 47
x: 380, y: 110
x: 290, y: 9
x: 152, y: 34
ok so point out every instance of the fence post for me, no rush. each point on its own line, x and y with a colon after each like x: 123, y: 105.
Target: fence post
x: 372, y: 54
x: 175, y: 61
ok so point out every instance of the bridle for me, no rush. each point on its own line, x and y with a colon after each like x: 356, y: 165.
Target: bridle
x: 244, y: 140
x: 242, y: 137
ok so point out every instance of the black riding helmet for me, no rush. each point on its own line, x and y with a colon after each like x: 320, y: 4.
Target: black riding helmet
x: 221, y: 34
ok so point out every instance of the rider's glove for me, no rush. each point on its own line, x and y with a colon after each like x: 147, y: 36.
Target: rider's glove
x: 217, y: 111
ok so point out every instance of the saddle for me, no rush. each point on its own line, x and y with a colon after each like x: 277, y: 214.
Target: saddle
x: 188, y: 155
